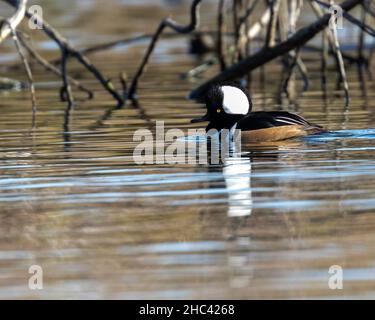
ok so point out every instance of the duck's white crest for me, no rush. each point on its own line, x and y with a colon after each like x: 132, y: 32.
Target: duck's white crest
x: 235, y: 100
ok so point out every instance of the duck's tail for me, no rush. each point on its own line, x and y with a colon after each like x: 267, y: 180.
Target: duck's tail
x: 315, y: 129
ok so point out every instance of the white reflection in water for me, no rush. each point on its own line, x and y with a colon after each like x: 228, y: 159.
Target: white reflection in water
x: 237, y: 176
x: 241, y: 268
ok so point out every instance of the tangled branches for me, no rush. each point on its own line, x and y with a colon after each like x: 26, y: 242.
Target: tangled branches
x: 276, y: 28
x: 66, y: 49
x: 296, y: 40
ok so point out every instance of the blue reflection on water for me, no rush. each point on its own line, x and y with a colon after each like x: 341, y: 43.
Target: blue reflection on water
x: 341, y: 135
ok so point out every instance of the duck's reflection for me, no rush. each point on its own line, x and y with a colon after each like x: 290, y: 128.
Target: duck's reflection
x: 237, y: 173
x: 237, y: 177
x: 238, y: 170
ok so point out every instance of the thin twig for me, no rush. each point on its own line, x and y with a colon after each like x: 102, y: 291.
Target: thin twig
x: 324, y: 61
x: 361, y: 40
x: 290, y: 71
x: 197, y: 71
x: 135, y: 39
x: 28, y: 72
x: 298, y: 4
x: 271, y: 29
x: 235, y: 12
x: 243, y: 41
x: 66, y: 90
x: 167, y: 22
x: 341, y: 65
x: 331, y: 41
x: 220, y: 27
x: 43, y: 62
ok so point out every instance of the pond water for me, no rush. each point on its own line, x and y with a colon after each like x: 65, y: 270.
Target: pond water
x: 267, y: 224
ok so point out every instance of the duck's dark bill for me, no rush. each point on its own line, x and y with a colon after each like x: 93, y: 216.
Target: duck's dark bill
x: 202, y: 119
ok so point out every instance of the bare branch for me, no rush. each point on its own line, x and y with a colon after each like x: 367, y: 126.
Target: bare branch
x: 27, y: 69
x: 48, y: 66
x: 68, y: 49
x: 168, y: 22
x: 13, y: 22
x: 363, y: 26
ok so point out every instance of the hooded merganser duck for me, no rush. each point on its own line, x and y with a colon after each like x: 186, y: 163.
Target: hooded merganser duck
x: 229, y: 107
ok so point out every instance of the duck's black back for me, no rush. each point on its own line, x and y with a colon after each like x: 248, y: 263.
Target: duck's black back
x: 264, y: 120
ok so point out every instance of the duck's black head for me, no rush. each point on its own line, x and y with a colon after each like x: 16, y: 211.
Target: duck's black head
x: 226, y: 105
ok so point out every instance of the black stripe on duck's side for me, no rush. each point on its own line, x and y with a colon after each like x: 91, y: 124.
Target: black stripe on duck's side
x: 263, y: 120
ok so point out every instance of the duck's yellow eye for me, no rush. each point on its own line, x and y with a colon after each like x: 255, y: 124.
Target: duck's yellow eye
x: 218, y: 110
